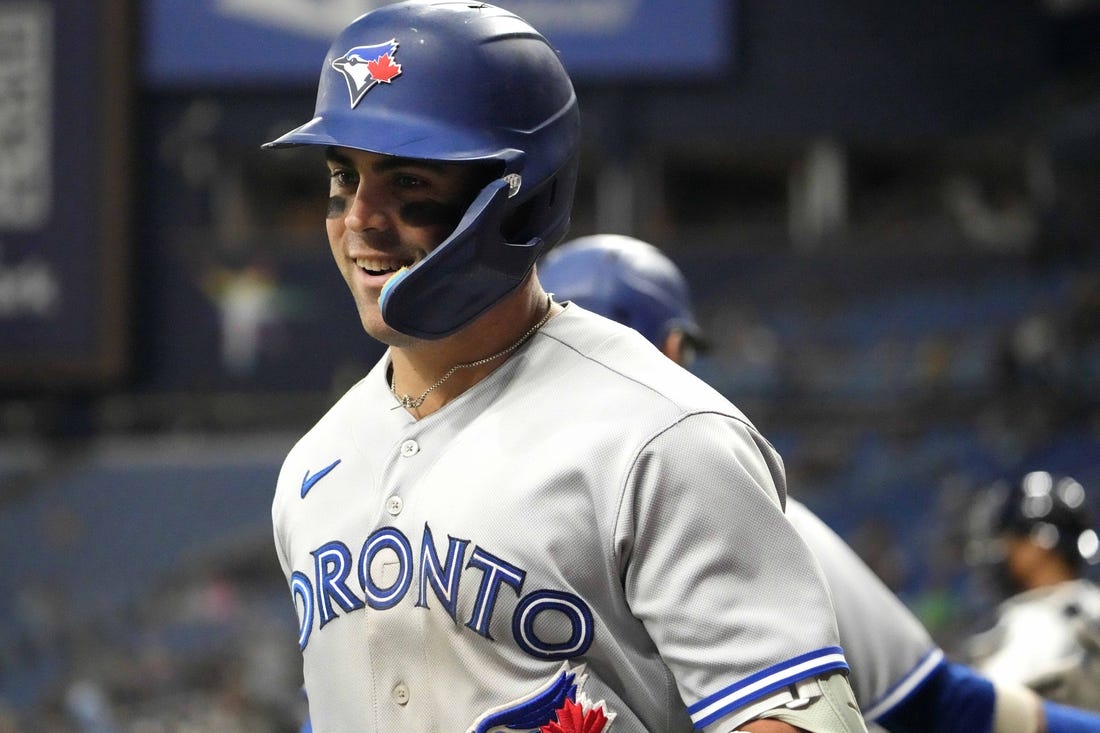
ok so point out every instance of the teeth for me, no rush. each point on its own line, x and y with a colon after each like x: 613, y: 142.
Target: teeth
x: 376, y: 266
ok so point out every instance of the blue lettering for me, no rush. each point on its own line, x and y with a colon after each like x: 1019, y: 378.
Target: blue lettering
x: 332, y: 564
x: 302, y: 593
x: 573, y: 608
x: 327, y: 595
x: 394, y: 540
x: 444, y: 579
x: 494, y: 572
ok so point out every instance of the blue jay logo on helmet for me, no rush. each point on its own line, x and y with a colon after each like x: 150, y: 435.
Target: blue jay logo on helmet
x: 365, y: 66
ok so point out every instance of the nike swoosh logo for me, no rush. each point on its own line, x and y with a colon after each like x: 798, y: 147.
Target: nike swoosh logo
x: 308, y: 481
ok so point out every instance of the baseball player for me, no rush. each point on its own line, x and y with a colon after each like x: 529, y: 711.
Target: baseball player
x: 523, y: 518
x: 900, y: 677
x: 1034, y: 539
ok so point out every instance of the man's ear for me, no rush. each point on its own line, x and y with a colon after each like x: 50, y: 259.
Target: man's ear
x: 673, y: 346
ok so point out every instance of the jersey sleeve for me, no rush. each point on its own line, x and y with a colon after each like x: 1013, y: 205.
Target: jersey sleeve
x: 726, y: 588
x: 952, y: 698
x: 1065, y: 719
x: 889, y: 650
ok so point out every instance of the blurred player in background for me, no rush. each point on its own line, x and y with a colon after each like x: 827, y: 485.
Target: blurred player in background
x: 523, y: 518
x: 901, y: 678
x: 1034, y: 539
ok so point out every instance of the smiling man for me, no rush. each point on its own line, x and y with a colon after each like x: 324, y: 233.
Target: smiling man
x: 385, y: 215
x: 524, y: 517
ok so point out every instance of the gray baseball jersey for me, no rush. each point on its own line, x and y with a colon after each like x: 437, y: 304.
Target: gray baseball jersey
x: 889, y: 650
x: 590, y: 533
x: 1047, y: 639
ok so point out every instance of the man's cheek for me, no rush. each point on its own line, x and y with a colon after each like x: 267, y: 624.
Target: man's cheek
x: 426, y: 214
x: 337, y: 205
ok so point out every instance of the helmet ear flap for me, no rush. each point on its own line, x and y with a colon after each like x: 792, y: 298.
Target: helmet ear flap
x: 470, y: 271
x: 545, y: 213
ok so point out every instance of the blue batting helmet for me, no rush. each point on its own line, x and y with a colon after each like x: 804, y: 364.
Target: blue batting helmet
x: 457, y: 82
x: 626, y: 280
x: 1050, y: 509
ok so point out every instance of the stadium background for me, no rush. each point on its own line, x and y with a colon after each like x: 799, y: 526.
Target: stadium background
x: 888, y: 214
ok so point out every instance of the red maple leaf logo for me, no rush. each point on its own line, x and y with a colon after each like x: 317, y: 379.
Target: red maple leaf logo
x: 573, y: 718
x: 383, y: 68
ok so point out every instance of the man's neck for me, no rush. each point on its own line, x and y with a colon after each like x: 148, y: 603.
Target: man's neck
x: 423, y: 370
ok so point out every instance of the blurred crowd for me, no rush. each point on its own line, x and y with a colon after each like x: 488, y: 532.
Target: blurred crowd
x: 896, y: 382
x: 210, y: 649
x: 893, y: 464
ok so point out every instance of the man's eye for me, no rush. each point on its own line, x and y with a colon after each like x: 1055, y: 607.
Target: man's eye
x: 405, y: 180
x: 342, y: 178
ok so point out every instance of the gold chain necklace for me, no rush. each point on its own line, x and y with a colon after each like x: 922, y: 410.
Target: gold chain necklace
x: 409, y: 403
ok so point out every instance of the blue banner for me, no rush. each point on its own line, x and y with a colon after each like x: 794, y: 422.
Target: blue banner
x: 63, y: 138
x: 199, y: 43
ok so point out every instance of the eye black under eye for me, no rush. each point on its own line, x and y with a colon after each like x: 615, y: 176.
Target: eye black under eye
x: 337, y: 205
x: 431, y: 214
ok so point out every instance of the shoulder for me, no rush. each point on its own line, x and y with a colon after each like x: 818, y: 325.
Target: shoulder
x: 335, y: 430
x: 1067, y: 598
x: 335, y: 419
x: 610, y: 356
x: 595, y: 371
x: 620, y: 397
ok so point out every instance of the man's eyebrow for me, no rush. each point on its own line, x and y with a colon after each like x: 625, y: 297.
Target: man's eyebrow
x: 385, y: 163
x: 332, y: 155
x: 389, y: 163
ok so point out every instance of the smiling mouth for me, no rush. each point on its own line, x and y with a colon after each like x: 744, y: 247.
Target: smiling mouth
x: 373, y: 266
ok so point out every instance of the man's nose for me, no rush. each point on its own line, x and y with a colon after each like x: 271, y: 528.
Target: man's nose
x: 366, y: 211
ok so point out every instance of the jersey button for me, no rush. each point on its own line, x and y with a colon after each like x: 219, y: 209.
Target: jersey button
x: 394, y: 505
x: 401, y: 693
x: 409, y: 448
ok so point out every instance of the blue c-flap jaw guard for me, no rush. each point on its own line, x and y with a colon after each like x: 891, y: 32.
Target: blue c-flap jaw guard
x: 464, y: 276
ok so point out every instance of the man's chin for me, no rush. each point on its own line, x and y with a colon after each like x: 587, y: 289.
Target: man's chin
x: 379, y: 330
